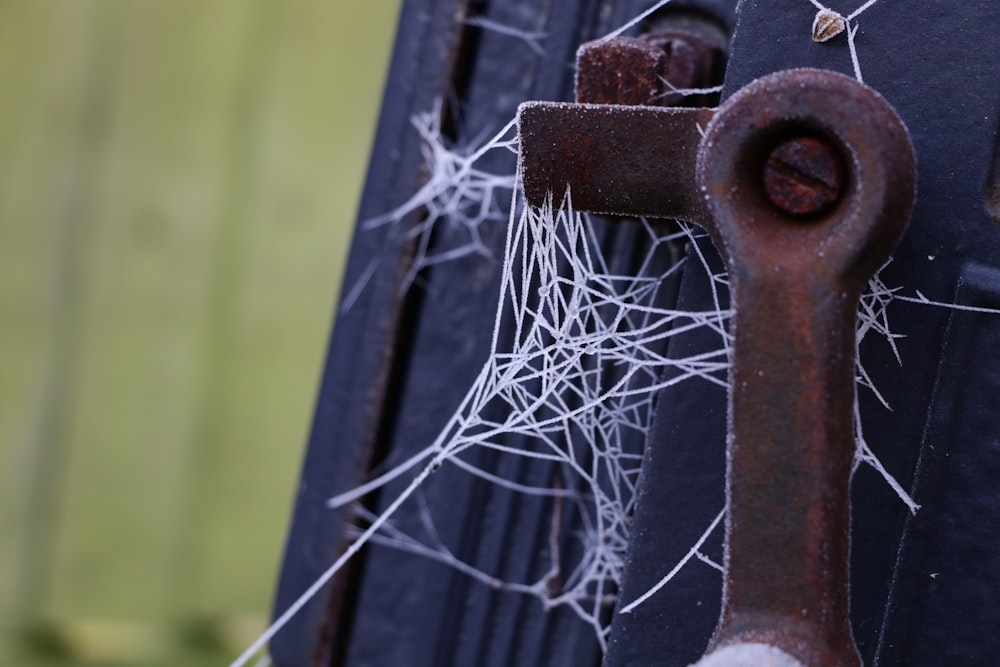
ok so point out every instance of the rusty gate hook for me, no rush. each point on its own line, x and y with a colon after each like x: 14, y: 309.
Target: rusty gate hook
x: 795, y: 282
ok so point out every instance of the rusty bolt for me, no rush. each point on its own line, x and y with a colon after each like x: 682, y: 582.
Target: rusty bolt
x: 804, y: 176
x: 621, y: 70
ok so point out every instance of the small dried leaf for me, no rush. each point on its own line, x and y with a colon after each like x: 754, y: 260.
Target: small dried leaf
x: 827, y: 24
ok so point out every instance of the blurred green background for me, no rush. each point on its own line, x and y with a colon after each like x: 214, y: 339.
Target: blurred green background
x: 178, y: 184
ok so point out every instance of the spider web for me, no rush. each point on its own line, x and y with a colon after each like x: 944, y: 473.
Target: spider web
x: 577, y: 357
x: 577, y: 382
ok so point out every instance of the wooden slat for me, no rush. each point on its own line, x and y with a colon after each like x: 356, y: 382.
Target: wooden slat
x: 177, y: 180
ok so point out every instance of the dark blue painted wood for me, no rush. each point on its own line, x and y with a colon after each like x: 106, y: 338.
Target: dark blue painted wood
x: 936, y: 64
x: 399, y: 363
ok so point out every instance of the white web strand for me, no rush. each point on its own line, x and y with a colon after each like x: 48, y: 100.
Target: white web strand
x: 532, y: 39
x: 863, y: 8
x: 850, y: 17
x: 872, y: 317
x: 637, y: 20
x: 693, y: 552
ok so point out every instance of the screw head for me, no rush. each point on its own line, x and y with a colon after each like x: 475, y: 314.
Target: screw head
x: 804, y: 176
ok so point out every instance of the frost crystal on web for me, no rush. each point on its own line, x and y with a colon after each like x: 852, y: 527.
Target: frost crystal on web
x: 583, y: 359
x: 457, y: 191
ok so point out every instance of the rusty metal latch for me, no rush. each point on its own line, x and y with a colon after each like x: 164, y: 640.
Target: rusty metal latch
x: 805, y: 180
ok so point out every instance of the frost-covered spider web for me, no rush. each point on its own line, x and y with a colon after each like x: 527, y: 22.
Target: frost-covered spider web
x: 457, y: 192
x: 577, y: 357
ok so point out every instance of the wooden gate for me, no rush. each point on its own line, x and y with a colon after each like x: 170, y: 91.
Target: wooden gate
x: 408, y: 345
